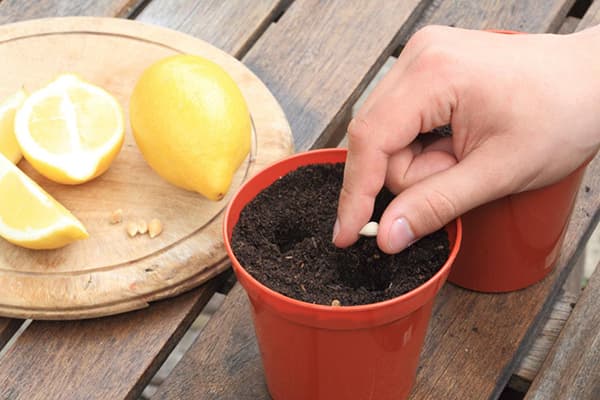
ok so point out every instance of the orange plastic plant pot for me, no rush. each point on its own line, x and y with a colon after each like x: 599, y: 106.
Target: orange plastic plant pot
x: 320, y: 352
x: 514, y: 242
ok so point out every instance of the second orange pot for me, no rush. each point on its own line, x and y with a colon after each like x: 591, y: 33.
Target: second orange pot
x: 514, y: 242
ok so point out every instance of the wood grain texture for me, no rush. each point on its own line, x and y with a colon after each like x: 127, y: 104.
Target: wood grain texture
x: 561, y: 311
x: 224, y: 363
x: 18, y: 10
x: 110, y: 272
x: 518, y: 15
x: 232, y: 26
x: 591, y: 17
x: 320, y: 55
x: 106, y: 358
x: 569, y: 25
x: 475, y: 341
x: 571, y: 370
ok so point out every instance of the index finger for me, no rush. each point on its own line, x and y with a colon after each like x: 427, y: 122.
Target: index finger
x: 393, y: 121
x: 364, y: 176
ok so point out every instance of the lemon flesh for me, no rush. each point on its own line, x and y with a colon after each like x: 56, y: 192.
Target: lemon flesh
x: 70, y: 131
x: 191, y: 123
x: 8, y: 142
x: 29, y: 217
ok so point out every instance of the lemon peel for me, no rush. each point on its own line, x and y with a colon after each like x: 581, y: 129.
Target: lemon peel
x: 191, y: 123
x: 30, y: 217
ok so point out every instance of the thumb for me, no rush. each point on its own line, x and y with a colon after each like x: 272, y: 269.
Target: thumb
x: 433, y: 202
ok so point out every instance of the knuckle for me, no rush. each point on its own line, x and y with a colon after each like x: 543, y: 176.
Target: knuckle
x: 441, y: 209
x: 424, y: 36
x: 351, y: 192
x: 358, y: 130
x: 433, y: 57
x: 393, y: 183
x: 345, y: 194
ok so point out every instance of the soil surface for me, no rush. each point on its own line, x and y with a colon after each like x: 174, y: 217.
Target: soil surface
x: 283, y: 239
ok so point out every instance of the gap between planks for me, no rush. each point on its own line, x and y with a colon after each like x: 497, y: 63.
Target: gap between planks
x: 210, y: 20
x: 8, y: 333
x: 571, y: 369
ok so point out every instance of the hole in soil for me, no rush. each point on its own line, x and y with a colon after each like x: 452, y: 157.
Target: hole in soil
x: 373, y: 272
x: 287, y: 236
x: 383, y: 199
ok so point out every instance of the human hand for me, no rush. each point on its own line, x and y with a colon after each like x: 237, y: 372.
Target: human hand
x: 524, y: 114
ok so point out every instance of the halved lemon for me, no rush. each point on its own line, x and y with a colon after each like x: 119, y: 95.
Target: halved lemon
x: 70, y: 131
x: 30, y: 217
x: 8, y: 142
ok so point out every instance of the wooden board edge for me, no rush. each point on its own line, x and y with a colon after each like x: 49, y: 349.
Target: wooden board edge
x: 133, y: 290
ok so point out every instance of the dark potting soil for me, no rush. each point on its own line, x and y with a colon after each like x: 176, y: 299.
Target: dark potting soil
x: 283, y: 239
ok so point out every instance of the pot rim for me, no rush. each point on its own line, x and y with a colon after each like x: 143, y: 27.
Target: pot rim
x: 417, y: 296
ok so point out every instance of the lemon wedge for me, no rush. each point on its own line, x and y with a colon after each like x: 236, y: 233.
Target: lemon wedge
x: 8, y: 142
x: 29, y: 217
x: 70, y: 130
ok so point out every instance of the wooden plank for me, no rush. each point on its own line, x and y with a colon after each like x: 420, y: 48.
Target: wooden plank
x: 591, y: 17
x: 320, y: 55
x: 571, y: 369
x: 569, y: 25
x: 107, y: 358
x: 519, y: 15
x: 18, y: 10
x: 224, y: 363
x: 561, y: 311
x: 232, y: 26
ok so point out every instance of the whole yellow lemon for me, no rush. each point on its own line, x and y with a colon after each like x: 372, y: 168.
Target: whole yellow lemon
x: 191, y: 123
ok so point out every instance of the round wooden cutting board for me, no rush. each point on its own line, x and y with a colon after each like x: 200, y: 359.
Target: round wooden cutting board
x: 110, y: 272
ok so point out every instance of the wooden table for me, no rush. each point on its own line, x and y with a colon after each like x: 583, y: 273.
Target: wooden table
x: 316, y: 57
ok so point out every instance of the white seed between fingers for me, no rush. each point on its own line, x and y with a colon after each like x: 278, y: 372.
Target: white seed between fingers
x: 370, y: 229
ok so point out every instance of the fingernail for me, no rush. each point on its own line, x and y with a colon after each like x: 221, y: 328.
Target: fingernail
x: 401, y: 236
x: 336, y: 229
